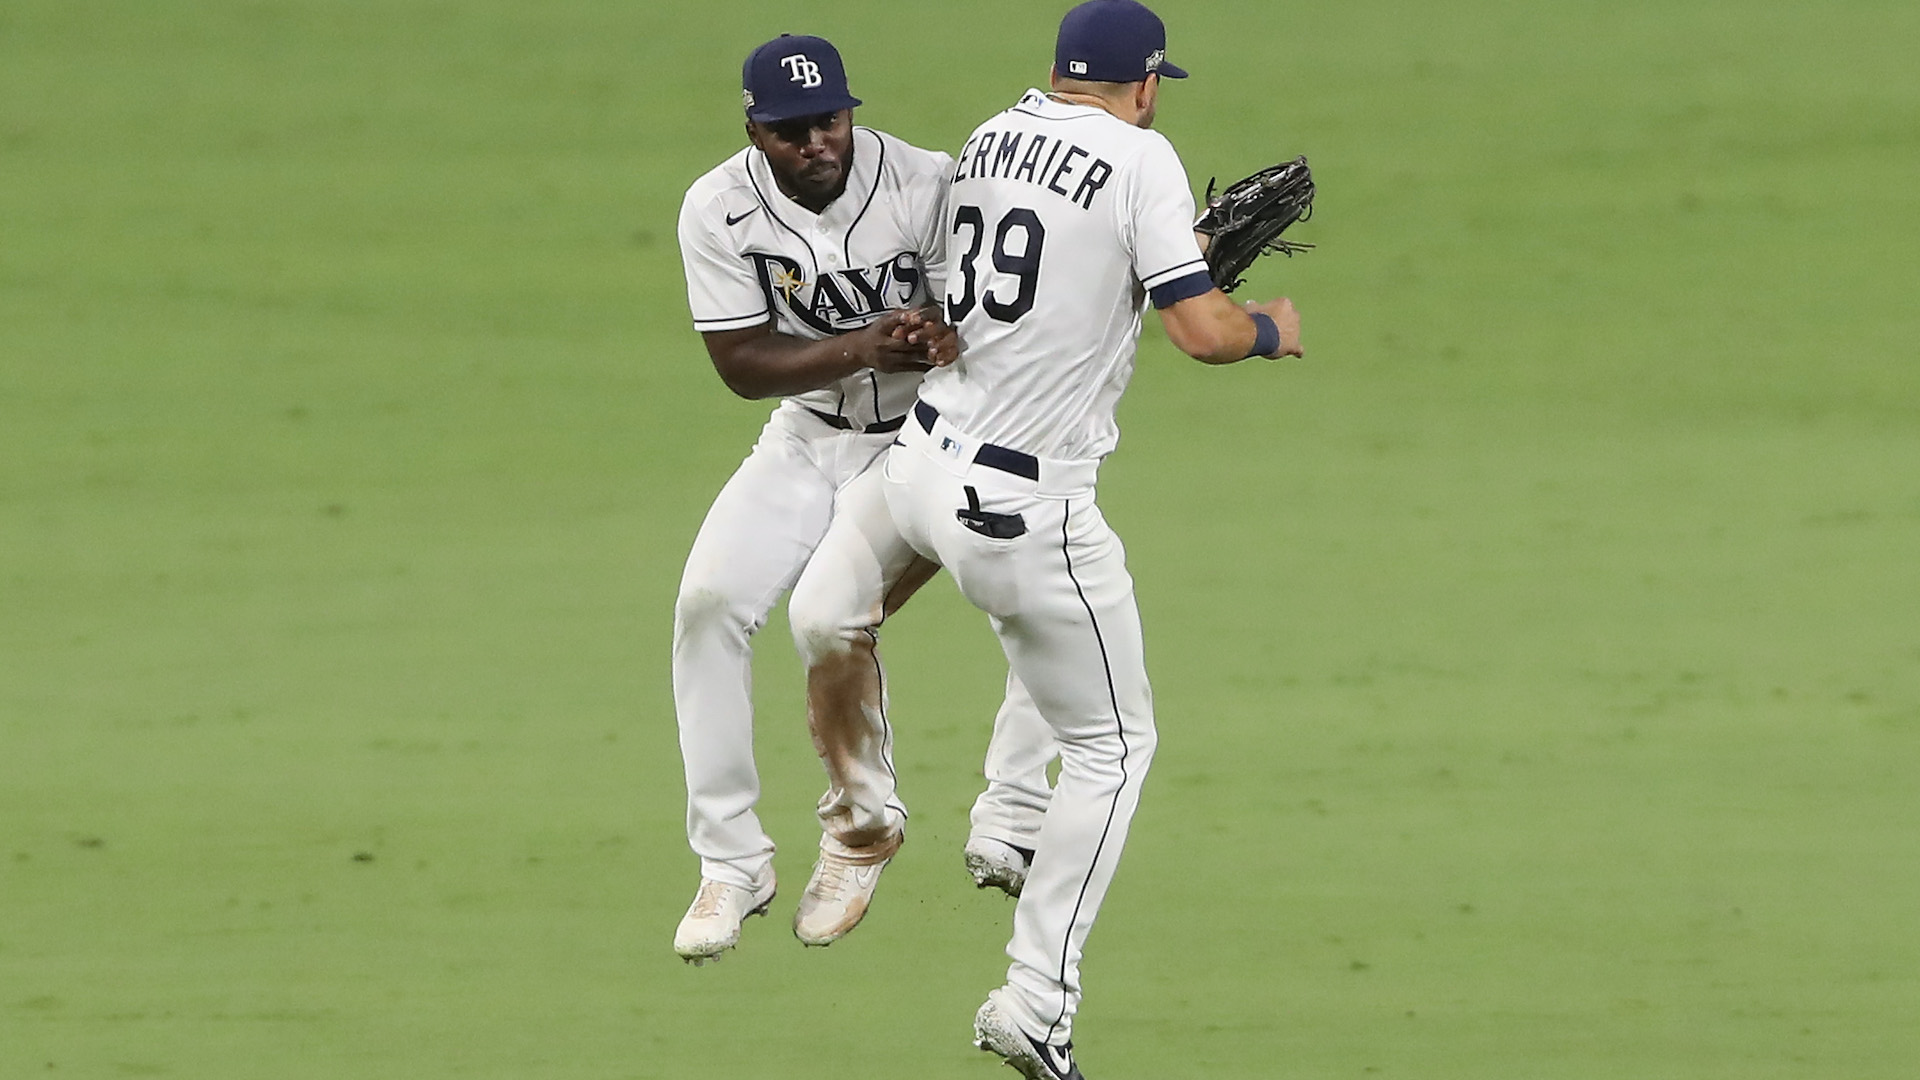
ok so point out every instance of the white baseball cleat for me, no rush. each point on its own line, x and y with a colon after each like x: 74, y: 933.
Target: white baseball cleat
x: 995, y: 1032
x: 840, y: 889
x: 711, y: 925
x: 996, y: 864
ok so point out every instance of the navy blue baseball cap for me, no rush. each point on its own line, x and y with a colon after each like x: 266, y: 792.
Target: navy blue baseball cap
x: 1113, y: 41
x: 794, y: 76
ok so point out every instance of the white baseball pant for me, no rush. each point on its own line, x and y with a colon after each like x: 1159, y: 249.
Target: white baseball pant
x: 1060, y: 599
x: 760, y: 532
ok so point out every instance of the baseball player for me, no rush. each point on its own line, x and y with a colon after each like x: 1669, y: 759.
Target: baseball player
x: 806, y: 254
x: 1067, y: 216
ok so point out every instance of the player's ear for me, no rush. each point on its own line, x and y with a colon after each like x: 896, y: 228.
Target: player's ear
x: 753, y: 135
x: 1053, y: 77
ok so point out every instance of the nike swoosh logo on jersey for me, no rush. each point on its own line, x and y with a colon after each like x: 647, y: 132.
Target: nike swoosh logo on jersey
x: 732, y: 220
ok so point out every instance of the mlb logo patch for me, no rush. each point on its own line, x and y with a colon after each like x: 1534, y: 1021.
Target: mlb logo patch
x: 1077, y: 67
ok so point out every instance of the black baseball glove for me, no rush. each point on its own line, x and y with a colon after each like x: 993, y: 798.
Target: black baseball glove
x: 1246, y: 220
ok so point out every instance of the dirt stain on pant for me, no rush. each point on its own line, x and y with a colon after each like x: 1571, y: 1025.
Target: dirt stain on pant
x: 845, y: 714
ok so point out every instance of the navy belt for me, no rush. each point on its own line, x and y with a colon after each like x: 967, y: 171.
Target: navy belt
x: 993, y: 457
x: 843, y: 424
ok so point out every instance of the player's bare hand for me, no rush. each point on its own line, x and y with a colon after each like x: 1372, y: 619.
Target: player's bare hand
x: 1287, y: 319
x: 928, y: 330
x: 884, y: 344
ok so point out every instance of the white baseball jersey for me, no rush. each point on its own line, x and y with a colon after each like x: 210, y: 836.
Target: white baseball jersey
x: 752, y: 254
x: 1061, y: 220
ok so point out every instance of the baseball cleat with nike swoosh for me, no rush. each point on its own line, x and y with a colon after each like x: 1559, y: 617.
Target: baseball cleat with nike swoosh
x: 995, y: 1032
x: 840, y: 889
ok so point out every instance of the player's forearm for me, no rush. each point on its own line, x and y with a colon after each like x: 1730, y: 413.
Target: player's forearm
x: 759, y: 363
x: 1234, y: 336
x: 777, y: 365
x: 1210, y: 328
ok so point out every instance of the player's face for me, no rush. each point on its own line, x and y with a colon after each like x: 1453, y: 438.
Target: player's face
x: 810, y: 155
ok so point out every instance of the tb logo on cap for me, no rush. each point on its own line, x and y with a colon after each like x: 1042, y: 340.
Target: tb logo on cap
x: 804, y: 71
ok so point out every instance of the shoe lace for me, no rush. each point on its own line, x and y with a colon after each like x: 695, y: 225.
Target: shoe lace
x: 832, y: 879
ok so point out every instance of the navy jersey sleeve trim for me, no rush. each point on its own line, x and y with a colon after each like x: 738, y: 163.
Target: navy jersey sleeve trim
x: 1155, y: 280
x: 1198, y: 283
x: 731, y: 322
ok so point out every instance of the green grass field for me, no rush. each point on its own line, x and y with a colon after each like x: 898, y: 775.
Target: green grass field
x: 1538, y: 663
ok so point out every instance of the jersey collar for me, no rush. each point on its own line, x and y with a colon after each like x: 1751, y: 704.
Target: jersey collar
x: 1036, y: 102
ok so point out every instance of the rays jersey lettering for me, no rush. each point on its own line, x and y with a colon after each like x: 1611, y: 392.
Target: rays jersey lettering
x: 753, y: 256
x: 839, y: 300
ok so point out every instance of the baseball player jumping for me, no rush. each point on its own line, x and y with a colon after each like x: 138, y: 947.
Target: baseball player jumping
x: 1067, y: 216
x: 804, y: 254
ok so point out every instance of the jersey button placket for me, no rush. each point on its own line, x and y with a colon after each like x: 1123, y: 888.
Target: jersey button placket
x: 824, y: 243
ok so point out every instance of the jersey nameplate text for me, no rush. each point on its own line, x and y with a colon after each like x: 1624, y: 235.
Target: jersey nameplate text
x: 1054, y: 164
